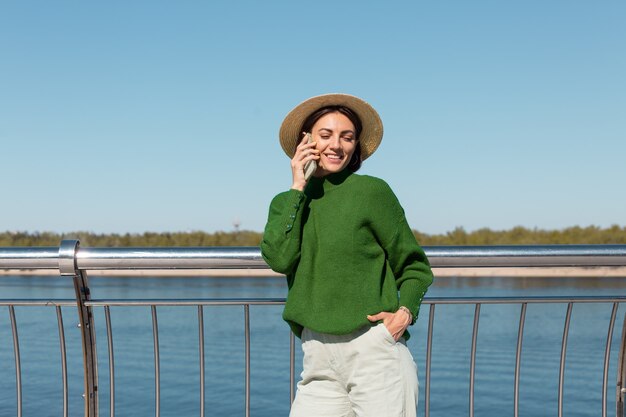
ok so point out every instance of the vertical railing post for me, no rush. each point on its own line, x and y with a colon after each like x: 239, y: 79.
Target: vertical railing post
x: 292, y: 366
x: 246, y: 310
x: 107, y: 320
x: 607, y: 358
x: 621, y: 375
x: 518, y: 359
x: 202, y: 364
x: 429, y: 355
x: 63, y: 362
x: 18, y: 361
x: 157, y: 362
x: 68, y: 267
x: 568, y: 317
x: 473, y: 360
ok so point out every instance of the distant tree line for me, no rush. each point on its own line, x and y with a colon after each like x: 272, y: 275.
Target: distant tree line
x: 515, y: 236
x: 195, y: 238
x: 576, y: 235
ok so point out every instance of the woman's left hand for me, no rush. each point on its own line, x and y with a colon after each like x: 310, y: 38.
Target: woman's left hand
x: 396, y: 322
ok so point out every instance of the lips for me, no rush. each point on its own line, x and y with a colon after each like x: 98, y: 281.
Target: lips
x: 334, y: 158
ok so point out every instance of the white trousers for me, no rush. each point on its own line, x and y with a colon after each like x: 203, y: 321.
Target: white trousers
x: 362, y: 374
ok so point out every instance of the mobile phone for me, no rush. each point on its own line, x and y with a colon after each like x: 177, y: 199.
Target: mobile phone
x: 311, y: 166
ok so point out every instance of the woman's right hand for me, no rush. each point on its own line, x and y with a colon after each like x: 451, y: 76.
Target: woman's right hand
x: 305, y: 152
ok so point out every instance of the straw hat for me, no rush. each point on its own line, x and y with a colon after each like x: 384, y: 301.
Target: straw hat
x: 371, y: 134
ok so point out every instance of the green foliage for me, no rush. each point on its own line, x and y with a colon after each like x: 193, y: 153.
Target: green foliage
x: 576, y: 235
x: 459, y: 236
x: 196, y: 238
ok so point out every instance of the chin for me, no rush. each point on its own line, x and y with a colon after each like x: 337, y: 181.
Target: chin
x: 333, y: 169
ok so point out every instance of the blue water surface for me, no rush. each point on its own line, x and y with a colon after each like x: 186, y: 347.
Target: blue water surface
x: 134, y: 364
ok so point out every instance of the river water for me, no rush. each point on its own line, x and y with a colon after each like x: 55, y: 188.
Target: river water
x: 224, y: 350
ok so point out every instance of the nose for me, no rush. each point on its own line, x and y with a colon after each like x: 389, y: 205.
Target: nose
x: 335, y: 143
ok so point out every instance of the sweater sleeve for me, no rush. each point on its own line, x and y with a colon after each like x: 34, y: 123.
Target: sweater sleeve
x: 410, y: 267
x: 280, y: 246
x: 405, y: 256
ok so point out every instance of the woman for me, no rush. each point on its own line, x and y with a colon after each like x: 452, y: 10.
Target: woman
x: 355, y: 273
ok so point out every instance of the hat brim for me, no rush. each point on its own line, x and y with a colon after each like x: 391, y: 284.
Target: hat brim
x: 372, y: 126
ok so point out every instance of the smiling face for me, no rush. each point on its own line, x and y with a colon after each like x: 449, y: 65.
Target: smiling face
x: 336, y: 140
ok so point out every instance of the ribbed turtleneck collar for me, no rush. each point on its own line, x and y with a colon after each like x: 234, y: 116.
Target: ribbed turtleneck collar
x: 320, y: 185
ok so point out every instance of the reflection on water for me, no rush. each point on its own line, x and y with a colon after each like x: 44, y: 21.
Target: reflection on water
x: 275, y: 287
x: 525, y: 286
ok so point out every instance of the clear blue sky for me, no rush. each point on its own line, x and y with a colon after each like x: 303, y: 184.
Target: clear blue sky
x: 163, y: 116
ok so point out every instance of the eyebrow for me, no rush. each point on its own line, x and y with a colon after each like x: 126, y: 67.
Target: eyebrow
x: 330, y: 130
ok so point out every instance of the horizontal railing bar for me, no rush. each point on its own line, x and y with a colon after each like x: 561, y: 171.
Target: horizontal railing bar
x: 428, y: 300
x: 518, y: 300
x: 431, y: 300
x: 249, y: 257
x: 168, y: 258
x: 17, y: 257
x: 527, y: 256
x: 280, y: 301
x: 186, y: 302
x: 41, y: 303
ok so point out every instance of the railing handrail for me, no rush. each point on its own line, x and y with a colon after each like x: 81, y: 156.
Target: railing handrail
x: 250, y: 257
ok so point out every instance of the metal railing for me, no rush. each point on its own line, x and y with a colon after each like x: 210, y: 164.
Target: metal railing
x: 73, y: 261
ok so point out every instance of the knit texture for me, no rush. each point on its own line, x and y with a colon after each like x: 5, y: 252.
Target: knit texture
x: 347, y: 251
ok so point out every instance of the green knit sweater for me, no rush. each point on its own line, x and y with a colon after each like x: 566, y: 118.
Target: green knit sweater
x: 346, y: 250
